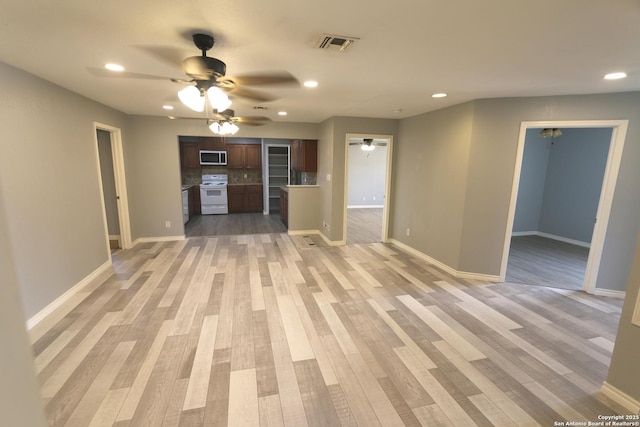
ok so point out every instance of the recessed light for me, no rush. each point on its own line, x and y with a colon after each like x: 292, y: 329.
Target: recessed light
x: 439, y: 95
x: 282, y: 113
x: 615, y: 76
x: 171, y: 117
x: 168, y: 107
x: 310, y: 83
x: 114, y: 67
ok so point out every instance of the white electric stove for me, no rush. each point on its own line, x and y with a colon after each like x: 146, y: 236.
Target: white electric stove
x: 213, y: 194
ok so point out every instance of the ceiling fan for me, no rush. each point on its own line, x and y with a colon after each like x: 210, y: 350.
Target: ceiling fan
x: 226, y: 122
x: 367, y: 144
x: 209, y: 76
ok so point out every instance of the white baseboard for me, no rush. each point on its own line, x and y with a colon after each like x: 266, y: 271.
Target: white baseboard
x: 524, y: 233
x: 552, y: 237
x: 365, y: 206
x: 608, y: 293
x: 443, y: 266
x: 158, y: 239
x: 621, y: 398
x: 37, y: 318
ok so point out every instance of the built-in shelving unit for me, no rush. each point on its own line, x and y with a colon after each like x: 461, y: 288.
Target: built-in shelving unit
x: 278, y: 165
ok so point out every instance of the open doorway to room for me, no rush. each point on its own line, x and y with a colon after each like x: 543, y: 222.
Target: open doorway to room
x: 368, y: 162
x: 562, y: 192
x: 113, y: 187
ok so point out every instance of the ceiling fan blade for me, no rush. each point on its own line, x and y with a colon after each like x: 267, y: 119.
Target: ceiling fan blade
x: 250, y: 94
x: 264, y: 79
x: 169, y: 55
x: 102, y: 72
x: 252, y: 120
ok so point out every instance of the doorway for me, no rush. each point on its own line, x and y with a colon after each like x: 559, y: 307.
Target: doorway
x: 599, y: 218
x: 115, y: 209
x: 368, y: 169
x: 558, y: 194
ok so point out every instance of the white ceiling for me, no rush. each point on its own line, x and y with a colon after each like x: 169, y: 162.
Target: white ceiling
x: 408, y: 50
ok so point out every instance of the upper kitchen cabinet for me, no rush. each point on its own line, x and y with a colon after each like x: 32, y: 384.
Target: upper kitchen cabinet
x: 213, y: 143
x: 244, y: 156
x: 189, y: 155
x: 304, y: 155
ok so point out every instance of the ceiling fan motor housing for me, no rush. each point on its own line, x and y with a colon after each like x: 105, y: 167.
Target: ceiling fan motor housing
x: 204, y: 67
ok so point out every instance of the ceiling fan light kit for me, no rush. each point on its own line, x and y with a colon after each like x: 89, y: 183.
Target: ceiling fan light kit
x: 223, y: 128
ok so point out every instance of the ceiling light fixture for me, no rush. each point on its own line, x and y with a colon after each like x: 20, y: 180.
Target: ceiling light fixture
x: 167, y: 107
x: 550, y: 132
x: 282, y: 113
x: 439, y: 95
x: 367, y: 144
x: 223, y: 127
x: 194, y: 98
x: 615, y: 76
x: 310, y: 83
x: 114, y: 67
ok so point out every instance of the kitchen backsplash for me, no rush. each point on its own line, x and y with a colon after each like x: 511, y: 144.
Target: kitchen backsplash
x: 236, y: 176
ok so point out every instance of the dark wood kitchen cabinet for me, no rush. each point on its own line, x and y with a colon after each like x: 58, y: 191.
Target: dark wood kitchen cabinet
x: 304, y: 155
x: 244, y: 156
x: 213, y: 143
x: 284, y: 206
x: 245, y: 198
x: 189, y: 155
x: 194, y: 200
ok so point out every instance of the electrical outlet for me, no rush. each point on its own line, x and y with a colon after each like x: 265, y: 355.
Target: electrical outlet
x: 408, y: 232
x: 167, y: 224
x: 328, y: 177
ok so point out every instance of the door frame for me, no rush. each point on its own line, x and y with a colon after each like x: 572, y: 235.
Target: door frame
x: 120, y: 181
x: 614, y: 157
x: 387, y: 182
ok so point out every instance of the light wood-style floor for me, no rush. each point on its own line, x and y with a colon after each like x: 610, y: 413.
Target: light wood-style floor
x: 273, y: 330
x: 364, y: 225
x: 536, y: 260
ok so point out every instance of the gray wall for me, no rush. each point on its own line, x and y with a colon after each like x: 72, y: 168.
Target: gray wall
x: 51, y: 187
x: 467, y: 231
x: 20, y: 403
x: 430, y: 164
x: 367, y: 172
x: 577, y: 161
x: 108, y: 182
x: 561, y: 182
x: 623, y: 371
x: 532, y: 180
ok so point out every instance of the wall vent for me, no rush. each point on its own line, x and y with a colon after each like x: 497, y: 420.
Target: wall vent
x: 334, y: 42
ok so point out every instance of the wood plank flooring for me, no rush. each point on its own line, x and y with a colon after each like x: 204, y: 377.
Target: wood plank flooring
x: 364, y: 225
x: 233, y: 224
x: 536, y: 260
x: 271, y: 330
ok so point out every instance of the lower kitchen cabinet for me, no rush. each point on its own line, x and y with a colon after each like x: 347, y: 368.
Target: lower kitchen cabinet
x: 244, y: 198
x: 194, y: 200
x: 284, y: 206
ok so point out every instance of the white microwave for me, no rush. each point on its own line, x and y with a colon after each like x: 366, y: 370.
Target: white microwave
x: 215, y: 158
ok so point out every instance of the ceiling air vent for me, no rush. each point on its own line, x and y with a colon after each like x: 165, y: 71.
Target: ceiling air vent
x: 334, y: 42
